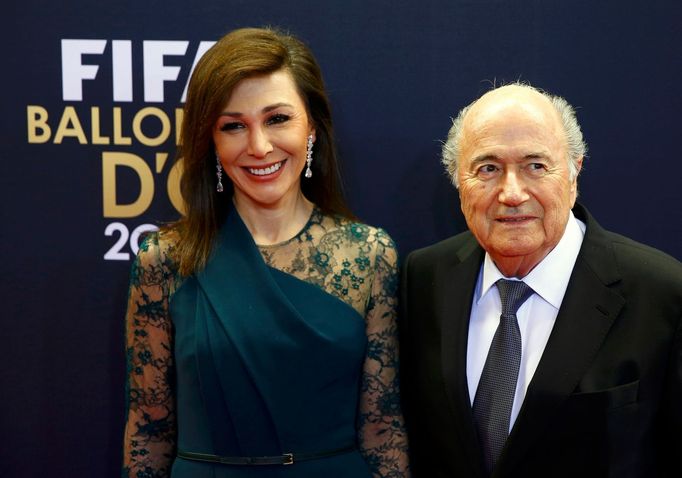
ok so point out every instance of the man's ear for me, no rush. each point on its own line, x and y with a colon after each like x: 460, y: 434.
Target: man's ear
x: 574, y: 185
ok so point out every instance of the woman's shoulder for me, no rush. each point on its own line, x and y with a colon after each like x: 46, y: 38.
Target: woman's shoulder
x: 365, y: 236
x: 157, y: 250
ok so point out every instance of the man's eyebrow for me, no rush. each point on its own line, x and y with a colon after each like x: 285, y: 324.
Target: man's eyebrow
x: 537, y: 156
x: 267, y: 109
x: 492, y: 157
x: 484, y: 158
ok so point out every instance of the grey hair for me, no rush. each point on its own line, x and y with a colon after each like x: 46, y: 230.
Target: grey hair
x: 576, y: 146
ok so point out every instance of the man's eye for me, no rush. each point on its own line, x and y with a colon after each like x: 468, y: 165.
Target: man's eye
x: 231, y: 126
x: 278, y: 118
x: 487, y: 168
x: 536, y: 166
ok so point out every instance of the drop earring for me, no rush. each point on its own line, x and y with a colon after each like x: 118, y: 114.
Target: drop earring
x: 219, y: 174
x: 309, y: 157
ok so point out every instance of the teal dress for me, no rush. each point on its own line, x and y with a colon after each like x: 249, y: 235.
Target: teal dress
x: 268, y: 351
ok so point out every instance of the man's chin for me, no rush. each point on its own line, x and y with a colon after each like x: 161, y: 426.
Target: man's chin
x: 518, y: 247
x: 518, y: 252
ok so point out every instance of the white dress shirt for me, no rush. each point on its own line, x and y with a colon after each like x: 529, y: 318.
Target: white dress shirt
x: 536, y: 316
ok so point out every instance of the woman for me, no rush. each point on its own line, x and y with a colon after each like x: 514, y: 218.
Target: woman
x: 261, y: 327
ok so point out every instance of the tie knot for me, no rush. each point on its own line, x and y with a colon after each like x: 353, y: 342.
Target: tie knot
x: 513, y: 293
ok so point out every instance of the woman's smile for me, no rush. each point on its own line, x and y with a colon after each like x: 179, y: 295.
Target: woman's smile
x: 267, y: 172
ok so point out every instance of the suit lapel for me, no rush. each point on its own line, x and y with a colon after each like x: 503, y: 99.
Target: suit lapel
x: 587, y: 312
x: 456, y: 282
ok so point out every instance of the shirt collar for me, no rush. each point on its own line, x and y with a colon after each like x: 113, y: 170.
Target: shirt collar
x: 549, y: 279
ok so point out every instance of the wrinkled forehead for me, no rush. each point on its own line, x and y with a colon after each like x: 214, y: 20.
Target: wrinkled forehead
x: 512, y: 122
x: 513, y: 105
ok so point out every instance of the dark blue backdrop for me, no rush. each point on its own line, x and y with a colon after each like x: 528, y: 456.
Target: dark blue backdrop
x: 396, y: 72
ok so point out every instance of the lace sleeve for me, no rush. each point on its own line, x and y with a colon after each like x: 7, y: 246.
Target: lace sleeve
x: 382, y: 436
x: 149, y: 437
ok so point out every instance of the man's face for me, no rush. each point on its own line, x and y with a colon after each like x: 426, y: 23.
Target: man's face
x: 515, y: 189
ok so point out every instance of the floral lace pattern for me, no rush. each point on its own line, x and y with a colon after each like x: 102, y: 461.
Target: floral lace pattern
x: 351, y: 261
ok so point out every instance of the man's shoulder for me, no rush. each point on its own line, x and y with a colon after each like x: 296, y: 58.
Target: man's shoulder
x: 634, y: 260
x: 627, y: 246
x: 645, y: 261
x: 446, y: 249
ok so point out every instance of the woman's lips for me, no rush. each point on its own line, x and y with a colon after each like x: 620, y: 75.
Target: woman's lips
x: 267, y: 171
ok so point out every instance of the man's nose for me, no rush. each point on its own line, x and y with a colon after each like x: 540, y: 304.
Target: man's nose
x: 513, y: 189
x: 259, y: 143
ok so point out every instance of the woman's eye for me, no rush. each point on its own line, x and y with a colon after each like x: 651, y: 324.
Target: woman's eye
x: 231, y: 126
x: 277, y: 119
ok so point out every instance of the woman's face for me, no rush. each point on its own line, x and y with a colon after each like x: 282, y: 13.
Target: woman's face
x: 260, y: 138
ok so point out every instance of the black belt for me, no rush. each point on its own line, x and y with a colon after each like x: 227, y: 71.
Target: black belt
x: 283, y: 459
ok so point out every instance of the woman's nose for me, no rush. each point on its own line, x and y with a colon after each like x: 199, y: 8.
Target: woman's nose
x: 259, y: 144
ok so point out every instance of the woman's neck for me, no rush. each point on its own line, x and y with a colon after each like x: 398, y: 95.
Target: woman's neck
x: 273, y: 224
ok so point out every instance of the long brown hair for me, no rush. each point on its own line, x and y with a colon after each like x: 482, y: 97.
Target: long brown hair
x: 241, y: 54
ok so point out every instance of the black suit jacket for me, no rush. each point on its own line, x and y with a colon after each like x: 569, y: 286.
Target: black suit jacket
x: 606, y: 398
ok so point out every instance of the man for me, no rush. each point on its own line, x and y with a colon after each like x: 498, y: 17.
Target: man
x: 579, y: 377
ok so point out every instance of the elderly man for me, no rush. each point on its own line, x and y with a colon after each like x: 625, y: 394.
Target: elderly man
x: 537, y: 344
